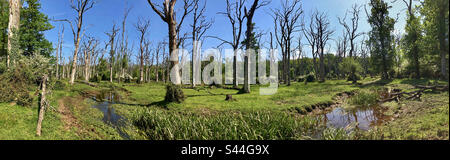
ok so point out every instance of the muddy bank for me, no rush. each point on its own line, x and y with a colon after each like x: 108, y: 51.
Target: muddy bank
x: 338, y: 100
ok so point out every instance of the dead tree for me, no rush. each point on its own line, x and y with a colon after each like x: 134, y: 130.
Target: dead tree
x: 149, y: 59
x: 310, y: 34
x: 286, y: 24
x: 158, y: 51
x: 352, y: 28
x: 89, y: 49
x: 199, y: 26
x: 43, y: 103
x: 249, y: 16
x: 81, y: 7
x: 13, y: 27
x: 235, y: 15
x: 142, y: 27
x: 61, y: 42
x: 168, y: 15
x: 123, y: 45
x: 57, y: 54
x: 324, y: 33
x: 112, y: 36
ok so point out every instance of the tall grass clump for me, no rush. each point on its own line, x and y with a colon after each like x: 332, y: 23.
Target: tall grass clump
x: 157, y: 124
x: 364, y: 98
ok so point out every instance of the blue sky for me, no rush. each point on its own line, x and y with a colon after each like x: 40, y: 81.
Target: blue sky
x: 100, y: 19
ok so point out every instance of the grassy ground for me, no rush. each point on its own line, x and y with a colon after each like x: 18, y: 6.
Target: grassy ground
x: 70, y: 117
x: 206, y: 115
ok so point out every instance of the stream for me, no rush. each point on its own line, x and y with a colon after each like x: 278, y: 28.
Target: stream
x: 364, y: 118
x: 104, y: 101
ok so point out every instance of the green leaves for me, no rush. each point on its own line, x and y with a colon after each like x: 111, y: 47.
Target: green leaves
x: 33, y: 24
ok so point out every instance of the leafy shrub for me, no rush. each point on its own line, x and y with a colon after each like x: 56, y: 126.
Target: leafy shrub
x: 354, y: 77
x: 96, y: 79
x: 174, y: 93
x: 59, y: 85
x: 22, y: 77
x: 310, y: 78
x: 364, y: 98
x: 127, y: 80
x: 14, y: 86
x: 352, y: 68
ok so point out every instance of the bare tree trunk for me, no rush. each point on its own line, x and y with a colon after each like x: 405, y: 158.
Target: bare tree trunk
x: 249, y: 15
x: 42, y: 105
x: 81, y: 6
x: 57, y: 55
x: 168, y: 14
x: 13, y: 26
x: 86, y: 55
x: 443, y: 40
x: 63, y: 68
x: 61, y: 42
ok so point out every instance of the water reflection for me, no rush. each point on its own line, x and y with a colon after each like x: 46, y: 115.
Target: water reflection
x: 106, y: 99
x: 364, y: 118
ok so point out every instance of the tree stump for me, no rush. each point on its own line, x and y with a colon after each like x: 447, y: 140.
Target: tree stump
x: 229, y: 97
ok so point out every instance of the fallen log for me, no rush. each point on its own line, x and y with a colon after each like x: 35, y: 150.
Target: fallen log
x: 396, y: 96
x: 88, y: 83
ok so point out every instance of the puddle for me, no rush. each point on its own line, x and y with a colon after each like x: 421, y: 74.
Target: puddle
x: 105, y: 99
x: 363, y: 118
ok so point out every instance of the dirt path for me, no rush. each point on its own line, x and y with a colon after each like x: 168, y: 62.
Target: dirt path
x: 67, y: 117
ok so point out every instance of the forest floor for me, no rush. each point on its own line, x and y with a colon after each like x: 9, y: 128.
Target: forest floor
x: 205, y: 114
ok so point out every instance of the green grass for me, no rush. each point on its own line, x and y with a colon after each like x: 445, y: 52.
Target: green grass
x: 428, y: 119
x: 206, y: 115
x: 19, y: 123
x: 159, y: 124
x: 296, y: 95
x: 364, y: 98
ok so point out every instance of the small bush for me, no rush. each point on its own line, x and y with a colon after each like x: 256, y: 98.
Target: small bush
x: 174, y: 93
x: 354, y: 77
x: 59, y: 85
x: 127, y: 80
x: 310, y: 78
x: 97, y: 79
x: 25, y: 99
x: 364, y: 98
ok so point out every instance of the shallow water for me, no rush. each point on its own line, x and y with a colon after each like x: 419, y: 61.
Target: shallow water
x: 363, y: 118
x: 106, y: 99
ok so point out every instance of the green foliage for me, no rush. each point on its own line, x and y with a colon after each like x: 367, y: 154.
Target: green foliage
x: 174, y: 93
x: 103, y: 70
x: 352, y: 68
x: 158, y: 124
x: 364, y: 98
x: 59, y: 85
x: 4, y: 19
x: 96, y: 78
x: 23, y: 75
x: 411, y: 43
x: 33, y: 24
x: 310, y: 78
x: 380, y: 38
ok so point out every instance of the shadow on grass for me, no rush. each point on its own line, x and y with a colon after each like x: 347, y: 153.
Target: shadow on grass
x: 380, y: 82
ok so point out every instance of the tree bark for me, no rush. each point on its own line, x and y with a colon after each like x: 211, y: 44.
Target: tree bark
x: 13, y: 26
x: 42, y: 105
